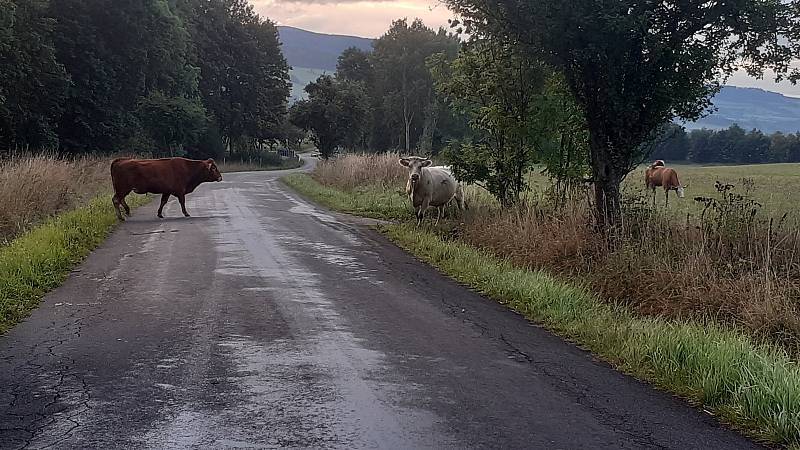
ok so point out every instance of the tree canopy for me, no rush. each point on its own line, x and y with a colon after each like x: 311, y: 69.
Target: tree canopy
x: 33, y: 83
x: 159, y: 76
x: 334, y: 113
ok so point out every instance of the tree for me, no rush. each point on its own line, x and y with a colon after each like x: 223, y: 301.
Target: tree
x: 117, y: 52
x: 673, y: 145
x: 635, y: 65
x: 756, y: 148
x: 403, y: 92
x: 244, y: 78
x: 517, y: 116
x: 334, y: 113
x: 172, y: 121
x: 33, y: 84
x: 699, y: 144
x: 354, y: 64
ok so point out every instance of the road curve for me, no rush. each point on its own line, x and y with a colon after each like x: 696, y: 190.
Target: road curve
x: 266, y: 322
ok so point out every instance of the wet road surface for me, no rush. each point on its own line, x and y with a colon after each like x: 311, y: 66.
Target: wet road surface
x: 265, y: 322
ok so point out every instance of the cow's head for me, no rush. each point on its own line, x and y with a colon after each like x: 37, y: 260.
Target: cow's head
x: 212, y: 172
x: 415, y: 165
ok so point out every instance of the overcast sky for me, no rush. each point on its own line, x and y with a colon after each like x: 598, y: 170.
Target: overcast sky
x: 372, y: 19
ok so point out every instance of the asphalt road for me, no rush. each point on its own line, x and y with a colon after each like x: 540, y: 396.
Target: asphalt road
x: 265, y: 322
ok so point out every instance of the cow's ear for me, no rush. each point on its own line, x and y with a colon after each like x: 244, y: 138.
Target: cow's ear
x: 427, y: 163
x: 404, y: 162
x: 210, y: 161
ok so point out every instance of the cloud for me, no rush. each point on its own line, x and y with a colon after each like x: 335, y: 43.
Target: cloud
x: 372, y: 19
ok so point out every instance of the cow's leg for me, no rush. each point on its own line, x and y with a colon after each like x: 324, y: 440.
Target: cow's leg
x: 182, y: 200
x: 421, y: 212
x: 460, y: 201
x: 115, y: 200
x: 438, y: 214
x: 125, y: 205
x: 164, y: 200
x: 666, y: 197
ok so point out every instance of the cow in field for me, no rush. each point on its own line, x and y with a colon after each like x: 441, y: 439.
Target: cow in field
x: 430, y: 186
x: 659, y: 175
x: 167, y: 176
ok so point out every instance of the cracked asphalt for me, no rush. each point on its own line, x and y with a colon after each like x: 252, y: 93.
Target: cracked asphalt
x: 266, y: 322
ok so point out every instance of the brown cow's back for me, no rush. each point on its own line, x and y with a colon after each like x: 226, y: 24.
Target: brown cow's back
x: 154, y: 176
x: 662, y: 176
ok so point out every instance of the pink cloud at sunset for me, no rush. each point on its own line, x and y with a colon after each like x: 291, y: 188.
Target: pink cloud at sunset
x: 356, y: 18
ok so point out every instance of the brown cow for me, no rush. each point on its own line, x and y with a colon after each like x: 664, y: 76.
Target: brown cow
x: 167, y: 176
x: 659, y: 175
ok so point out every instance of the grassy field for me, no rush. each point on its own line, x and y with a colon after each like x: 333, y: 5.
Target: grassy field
x: 710, y: 311
x: 775, y: 186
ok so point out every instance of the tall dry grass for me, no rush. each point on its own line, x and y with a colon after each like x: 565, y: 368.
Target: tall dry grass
x: 33, y: 188
x: 353, y: 170
x: 731, y: 265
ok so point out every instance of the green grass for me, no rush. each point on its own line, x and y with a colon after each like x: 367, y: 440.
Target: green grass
x: 755, y: 387
x: 40, y: 260
x: 776, y: 186
x: 375, y: 202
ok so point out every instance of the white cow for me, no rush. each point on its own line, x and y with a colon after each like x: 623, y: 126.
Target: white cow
x: 430, y: 186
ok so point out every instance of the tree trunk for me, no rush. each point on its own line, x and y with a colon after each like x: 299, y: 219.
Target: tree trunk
x: 607, y: 179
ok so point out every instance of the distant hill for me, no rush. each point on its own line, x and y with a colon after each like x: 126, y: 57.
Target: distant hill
x: 752, y: 108
x: 312, y: 54
x: 316, y: 50
x: 300, y: 77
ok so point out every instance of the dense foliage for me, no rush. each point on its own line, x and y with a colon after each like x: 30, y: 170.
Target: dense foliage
x: 635, y: 65
x: 334, y: 113
x: 169, y: 77
x: 404, y: 111
x: 519, y: 115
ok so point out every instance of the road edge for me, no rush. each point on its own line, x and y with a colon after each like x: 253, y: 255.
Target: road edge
x: 41, y: 259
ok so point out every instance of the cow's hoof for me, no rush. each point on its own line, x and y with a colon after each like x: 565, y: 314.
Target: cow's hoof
x: 160, y: 216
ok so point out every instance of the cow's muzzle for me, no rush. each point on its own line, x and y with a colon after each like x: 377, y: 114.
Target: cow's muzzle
x: 414, y: 177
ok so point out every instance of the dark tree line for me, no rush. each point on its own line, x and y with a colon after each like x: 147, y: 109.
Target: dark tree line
x: 181, y: 77
x: 731, y: 146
